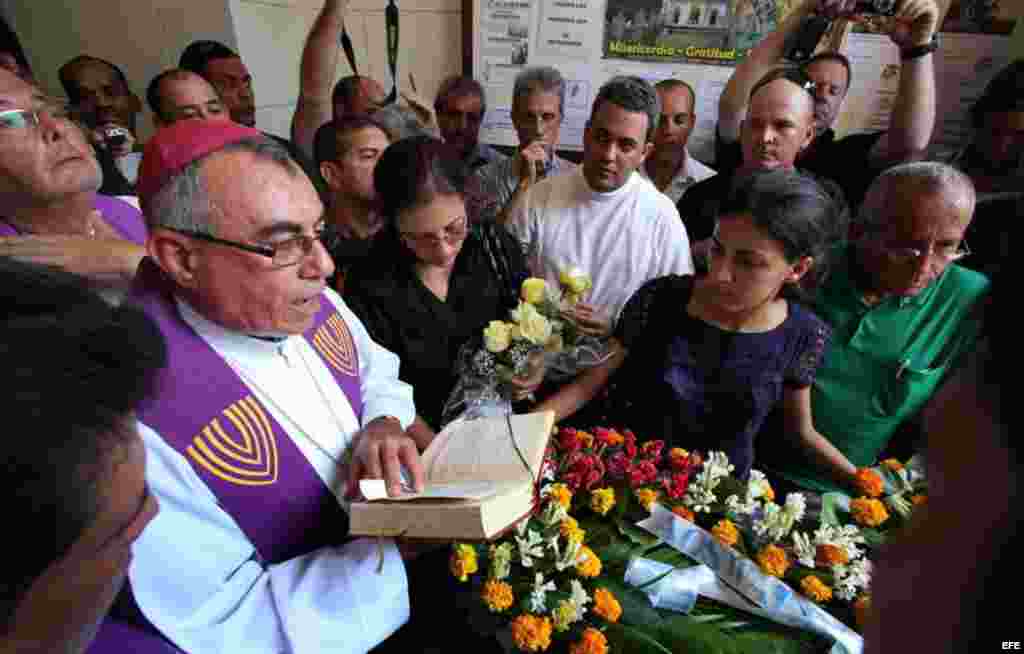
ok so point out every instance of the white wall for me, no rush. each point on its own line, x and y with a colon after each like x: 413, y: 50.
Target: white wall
x: 145, y: 37
x: 271, y: 34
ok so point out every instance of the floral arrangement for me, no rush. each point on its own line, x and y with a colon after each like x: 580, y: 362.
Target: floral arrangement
x: 557, y: 582
x: 539, y: 332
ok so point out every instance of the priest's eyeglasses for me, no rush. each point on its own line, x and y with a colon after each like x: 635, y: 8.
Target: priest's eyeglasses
x: 285, y: 253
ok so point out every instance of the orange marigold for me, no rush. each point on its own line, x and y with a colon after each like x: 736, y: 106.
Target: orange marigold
x: 828, y: 555
x: 769, y: 492
x: 613, y: 437
x: 588, y: 565
x: 560, y: 493
x: 606, y: 606
x: 591, y: 642
x: 683, y: 512
x: 497, y: 595
x: 725, y: 532
x: 919, y: 499
x: 815, y: 589
x: 893, y: 464
x: 868, y: 512
x: 531, y: 633
x: 647, y: 497
x: 861, y: 608
x: 773, y: 560
x: 869, y: 482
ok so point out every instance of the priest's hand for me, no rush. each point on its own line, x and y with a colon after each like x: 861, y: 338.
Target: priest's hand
x: 382, y: 449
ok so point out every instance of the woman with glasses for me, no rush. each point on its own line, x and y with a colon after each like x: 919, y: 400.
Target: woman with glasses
x: 702, y: 361
x: 433, y: 281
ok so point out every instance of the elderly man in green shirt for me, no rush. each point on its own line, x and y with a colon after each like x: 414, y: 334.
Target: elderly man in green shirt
x: 902, y: 313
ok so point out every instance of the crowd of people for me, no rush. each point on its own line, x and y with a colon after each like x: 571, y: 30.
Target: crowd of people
x: 215, y: 334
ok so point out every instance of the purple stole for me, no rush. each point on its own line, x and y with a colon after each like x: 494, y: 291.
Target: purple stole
x: 204, y: 411
x: 123, y: 217
x: 259, y: 476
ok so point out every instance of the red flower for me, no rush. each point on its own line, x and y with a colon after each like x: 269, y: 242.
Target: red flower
x: 644, y: 472
x: 573, y: 480
x: 652, y: 449
x: 630, y: 445
x: 676, y: 485
x: 585, y: 470
x: 619, y: 465
x: 568, y: 439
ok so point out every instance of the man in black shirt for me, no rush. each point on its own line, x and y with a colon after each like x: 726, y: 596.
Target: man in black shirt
x: 346, y: 152
x: 779, y: 125
x: 855, y: 160
x: 224, y: 69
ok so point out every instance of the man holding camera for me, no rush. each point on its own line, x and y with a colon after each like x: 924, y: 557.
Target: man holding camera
x: 852, y: 161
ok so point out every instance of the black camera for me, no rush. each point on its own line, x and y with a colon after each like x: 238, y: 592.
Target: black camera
x: 802, y: 44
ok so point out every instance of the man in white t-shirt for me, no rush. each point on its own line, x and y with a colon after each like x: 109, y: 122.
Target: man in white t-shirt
x: 605, y: 218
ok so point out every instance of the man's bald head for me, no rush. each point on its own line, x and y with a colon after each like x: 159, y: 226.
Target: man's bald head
x: 178, y: 94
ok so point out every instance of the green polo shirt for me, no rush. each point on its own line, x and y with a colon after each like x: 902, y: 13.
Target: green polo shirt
x: 884, y: 361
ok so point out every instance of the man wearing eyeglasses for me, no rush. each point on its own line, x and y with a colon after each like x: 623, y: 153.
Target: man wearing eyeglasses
x: 276, y: 400
x: 670, y: 166
x: 902, y: 311
x: 49, y: 179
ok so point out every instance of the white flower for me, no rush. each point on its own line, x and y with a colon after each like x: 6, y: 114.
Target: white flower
x: 796, y: 505
x: 777, y: 521
x: 757, y: 485
x: 501, y: 560
x: 851, y: 579
x: 700, y: 495
x: 538, y: 596
x: 805, y: 550
x: 579, y: 598
x: 738, y: 507
x: 497, y: 336
x: 530, y: 548
x: 570, y: 557
x: 533, y: 326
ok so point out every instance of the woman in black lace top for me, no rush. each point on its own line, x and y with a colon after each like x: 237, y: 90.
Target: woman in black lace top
x: 434, y: 280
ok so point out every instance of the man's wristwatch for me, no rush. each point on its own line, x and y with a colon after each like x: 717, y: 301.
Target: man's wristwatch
x: 918, y: 51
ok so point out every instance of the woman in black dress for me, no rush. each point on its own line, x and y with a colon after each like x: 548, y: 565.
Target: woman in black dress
x: 435, y: 279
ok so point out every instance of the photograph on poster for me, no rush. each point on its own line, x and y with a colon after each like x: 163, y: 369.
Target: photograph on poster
x: 693, y: 31
x: 981, y: 16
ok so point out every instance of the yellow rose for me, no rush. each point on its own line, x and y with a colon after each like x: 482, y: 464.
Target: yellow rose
x: 497, y: 336
x: 533, y: 326
x: 575, y: 281
x: 534, y: 290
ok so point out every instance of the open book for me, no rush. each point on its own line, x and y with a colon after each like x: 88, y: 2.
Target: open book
x: 478, y: 484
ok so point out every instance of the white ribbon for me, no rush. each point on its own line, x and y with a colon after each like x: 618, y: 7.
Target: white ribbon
x: 734, y: 573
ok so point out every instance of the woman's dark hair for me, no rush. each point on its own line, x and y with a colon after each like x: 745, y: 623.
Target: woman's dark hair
x: 413, y: 171
x: 793, y: 209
